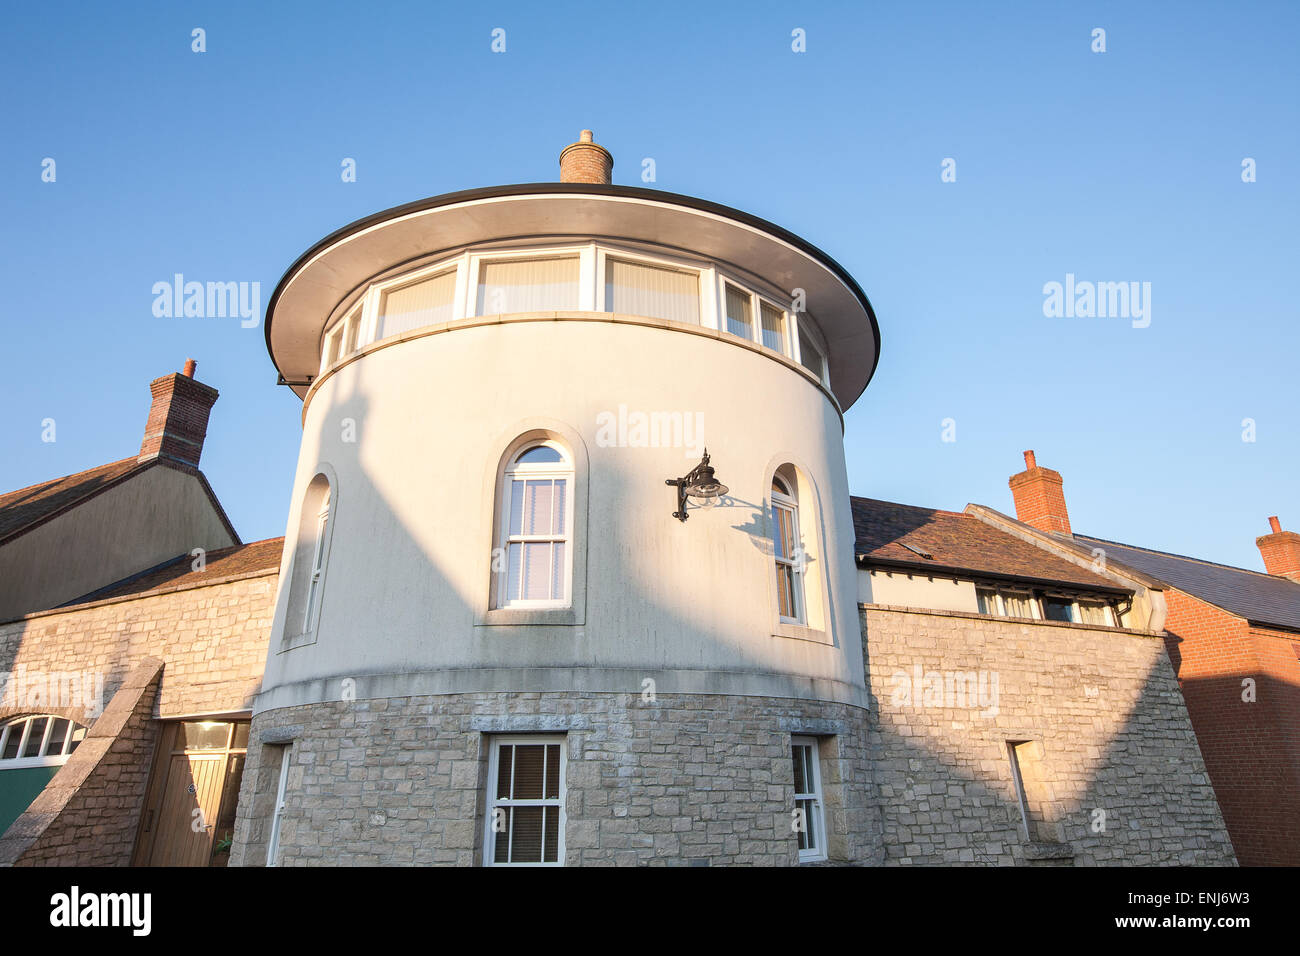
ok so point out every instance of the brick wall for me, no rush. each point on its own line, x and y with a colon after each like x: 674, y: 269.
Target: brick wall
x: 1119, y: 775
x: 1251, y: 747
x: 687, y: 779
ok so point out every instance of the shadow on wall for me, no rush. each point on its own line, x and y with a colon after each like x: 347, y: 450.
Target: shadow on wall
x: 1109, y: 771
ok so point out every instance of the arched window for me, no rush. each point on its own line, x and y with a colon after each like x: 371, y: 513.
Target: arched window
x: 787, y: 551
x: 38, y: 741
x: 535, y: 566
x: 310, y: 558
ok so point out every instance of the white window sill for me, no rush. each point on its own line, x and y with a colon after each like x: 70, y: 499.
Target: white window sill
x: 801, y: 632
x: 515, y: 616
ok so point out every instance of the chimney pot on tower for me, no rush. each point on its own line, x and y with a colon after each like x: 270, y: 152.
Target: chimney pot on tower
x: 190, y: 366
x: 586, y: 161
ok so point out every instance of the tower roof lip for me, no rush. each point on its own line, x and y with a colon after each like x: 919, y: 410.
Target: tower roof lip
x: 850, y: 369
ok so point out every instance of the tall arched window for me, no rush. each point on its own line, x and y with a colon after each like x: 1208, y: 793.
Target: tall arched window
x: 310, y: 557
x: 535, y: 566
x: 787, y: 551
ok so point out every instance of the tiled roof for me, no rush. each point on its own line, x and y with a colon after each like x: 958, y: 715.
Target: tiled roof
x: 21, y: 509
x: 958, y: 543
x: 1262, y: 598
x: 179, y: 572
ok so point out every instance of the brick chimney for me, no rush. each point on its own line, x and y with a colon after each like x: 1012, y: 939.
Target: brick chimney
x: 585, y: 161
x: 1039, y: 498
x: 1281, y: 551
x: 178, y: 418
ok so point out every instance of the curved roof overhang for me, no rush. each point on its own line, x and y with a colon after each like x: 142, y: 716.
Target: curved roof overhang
x: 334, y: 268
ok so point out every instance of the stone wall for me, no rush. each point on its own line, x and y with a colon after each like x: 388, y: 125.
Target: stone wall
x: 1111, y: 767
x: 89, y: 812
x: 213, y: 641
x: 686, y: 780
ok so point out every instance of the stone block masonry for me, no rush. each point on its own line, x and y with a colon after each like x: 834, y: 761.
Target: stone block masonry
x: 687, y: 780
x: 1111, y: 772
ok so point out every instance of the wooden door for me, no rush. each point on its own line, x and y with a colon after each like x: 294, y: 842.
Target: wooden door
x: 194, y: 789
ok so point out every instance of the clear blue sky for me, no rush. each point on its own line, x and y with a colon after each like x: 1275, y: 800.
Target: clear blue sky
x: 1119, y: 166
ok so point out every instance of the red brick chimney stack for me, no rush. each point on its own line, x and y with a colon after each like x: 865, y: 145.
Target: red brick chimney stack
x: 1039, y: 498
x: 585, y: 161
x: 178, y: 418
x: 1281, y: 551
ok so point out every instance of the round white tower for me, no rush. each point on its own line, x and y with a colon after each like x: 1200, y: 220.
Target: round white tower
x: 494, y: 640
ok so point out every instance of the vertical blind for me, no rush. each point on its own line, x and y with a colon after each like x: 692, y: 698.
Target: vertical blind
x: 773, y: 320
x: 528, y: 285
x: 427, y: 302
x: 635, y: 289
x: 738, y: 318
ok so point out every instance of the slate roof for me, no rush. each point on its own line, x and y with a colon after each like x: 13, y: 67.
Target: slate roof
x: 961, y: 544
x: 28, y: 507
x: 179, y: 573
x: 1257, y: 597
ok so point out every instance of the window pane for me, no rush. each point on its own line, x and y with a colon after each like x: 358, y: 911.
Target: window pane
x: 58, y: 733
x: 505, y: 763
x: 529, y: 767
x: 773, y: 328
x: 14, y: 739
x: 809, y: 357
x: 241, y: 737
x: 351, y: 329
x: 78, y: 735
x: 635, y: 289
x: 514, y: 571
x: 422, y: 303
x: 806, y: 839
x: 559, y: 500
x: 501, y: 853
x: 536, y: 579
x: 526, y: 840
x: 785, y: 590
x: 204, y: 735
x: 528, y: 285
x: 1094, y: 613
x: 557, y: 571
x: 988, y: 603
x: 516, y: 507
x: 782, y: 532
x: 551, y: 834
x: 537, y: 507
x: 541, y: 455
x: 35, y: 736
x: 739, y: 321
x: 800, y: 779
x: 552, y: 771
x: 1057, y: 609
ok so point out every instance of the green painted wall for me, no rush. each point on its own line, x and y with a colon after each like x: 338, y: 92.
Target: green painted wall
x: 18, y: 788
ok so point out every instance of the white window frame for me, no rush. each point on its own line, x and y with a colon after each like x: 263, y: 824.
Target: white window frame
x: 704, y: 275
x: 43, y: 759
x: 817, y: 825
x: 516, y: 471
x: 790, y: 504
x: 273, y: 841
x: 814, y: 336
x: 376, y: 293
x: 319, y: 559
x: 493, y: 802
x: 585, y: 254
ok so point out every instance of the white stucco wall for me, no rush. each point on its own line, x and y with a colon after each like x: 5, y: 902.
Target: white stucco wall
x: 155, y: 515
x: 900, y: 589
x: 690, y: 606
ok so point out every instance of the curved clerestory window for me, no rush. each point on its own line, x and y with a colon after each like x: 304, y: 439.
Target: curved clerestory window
x: 557, y: 279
